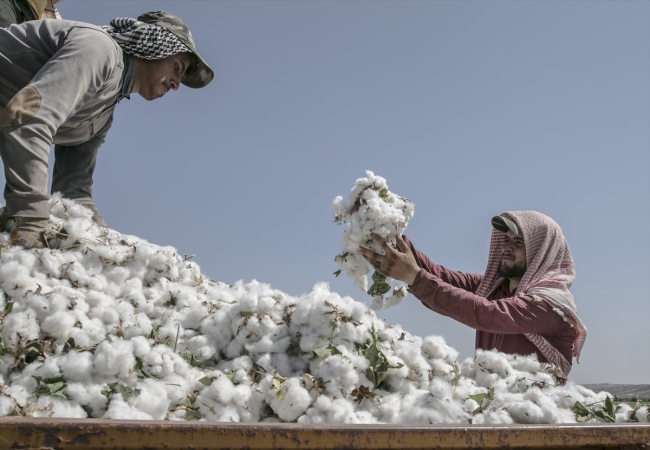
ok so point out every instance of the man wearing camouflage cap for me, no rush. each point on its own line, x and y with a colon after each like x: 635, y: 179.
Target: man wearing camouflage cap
x: 59, y: 84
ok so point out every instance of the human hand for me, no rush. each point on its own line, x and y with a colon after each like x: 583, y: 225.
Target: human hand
x: 398, y: 263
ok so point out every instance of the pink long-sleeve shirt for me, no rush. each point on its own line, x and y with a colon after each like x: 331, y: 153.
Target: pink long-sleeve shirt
x: 500, y: 320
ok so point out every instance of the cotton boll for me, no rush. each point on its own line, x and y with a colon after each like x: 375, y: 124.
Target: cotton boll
x: 202, y: 347
x: 117, y: 276
x: 119, y: 409
x: 377, y: 303
x: 222, y: 389
x: 234, y: 349
x: 338, y: 372
x: 248, y: 302
x: 643, y: 414
x: 399, y: 294
x: 91, y: 332
x: 15, y: 279
x: 341, y: 411
x: 89, y: 396
x: 292, y: 402
x: 167, y: 365
x: 37, y: 303
x: 114, y: 359
x: 7, y: 405
x: 267, y: 345
x: 435, y: 347
x: 19, y: 324
x: 51, y: 262
x: 138, y: 325
x: 58, y: 325
x: 77, y: 367
x: 525, y: 363
x: 58, y: 407
x: 498, y: 416
x: 177, y: 386
x: 526, y: 412
x: 152, y: 400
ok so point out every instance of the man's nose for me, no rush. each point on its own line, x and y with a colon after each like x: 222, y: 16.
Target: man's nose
x: 173, y: 83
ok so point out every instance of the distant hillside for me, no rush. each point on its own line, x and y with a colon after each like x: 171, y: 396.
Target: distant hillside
x: 640, y: 390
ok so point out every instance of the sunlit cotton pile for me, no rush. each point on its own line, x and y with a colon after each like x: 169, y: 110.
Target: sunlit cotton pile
x: 116, y: 327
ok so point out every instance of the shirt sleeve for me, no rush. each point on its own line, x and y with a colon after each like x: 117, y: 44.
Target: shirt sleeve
x: 74, y: 166
x: 466, y: 281
x: 512, y: 315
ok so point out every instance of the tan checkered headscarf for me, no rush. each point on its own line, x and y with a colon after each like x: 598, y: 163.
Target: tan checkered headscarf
x: 549, y: 275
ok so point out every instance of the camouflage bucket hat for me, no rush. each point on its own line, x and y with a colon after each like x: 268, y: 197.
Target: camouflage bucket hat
x: 199, y: 74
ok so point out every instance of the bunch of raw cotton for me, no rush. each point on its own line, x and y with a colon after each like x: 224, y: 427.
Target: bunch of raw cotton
x: 116, y: 327
x: 371, y: 208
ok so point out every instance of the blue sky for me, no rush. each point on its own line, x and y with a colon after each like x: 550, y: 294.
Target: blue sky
x: 469, y: 108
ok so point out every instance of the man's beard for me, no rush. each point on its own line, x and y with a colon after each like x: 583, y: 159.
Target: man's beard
x: 516, y: 271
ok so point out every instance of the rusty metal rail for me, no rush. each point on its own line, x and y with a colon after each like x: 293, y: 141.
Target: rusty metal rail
x: 33, y: 433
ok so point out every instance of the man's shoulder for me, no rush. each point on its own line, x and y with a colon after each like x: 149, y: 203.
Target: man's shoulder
x: 67, y: 25
x: 61, y: 28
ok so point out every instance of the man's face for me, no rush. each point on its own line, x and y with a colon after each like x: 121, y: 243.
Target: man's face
x: 513, y: 256
x: 161, y: 75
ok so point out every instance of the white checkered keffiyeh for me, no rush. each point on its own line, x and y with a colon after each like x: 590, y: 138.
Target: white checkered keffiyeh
x: 144, y: 40
x: 549, y: 275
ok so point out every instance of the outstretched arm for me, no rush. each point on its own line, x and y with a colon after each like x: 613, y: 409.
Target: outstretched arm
x: 407, y: 264
x: 512, y: 315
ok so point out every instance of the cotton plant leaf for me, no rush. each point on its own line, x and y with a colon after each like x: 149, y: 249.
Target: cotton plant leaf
x: 207, y: 381
x: 190, y: 358
x: 277, y: 383
x: 379, y: 286
x: 609, y: 407
x: 50, y: 387
x: 231, y: 377
x: 139, y: 369
x: 35, y: 350
x: 119, y: 388
x: 326, y: 350
x: 337, y: 273
x: 582, y: 414
x: 606, y: 413
x: 484, y: 396
x: 70, y: 344
x: 379, y: 364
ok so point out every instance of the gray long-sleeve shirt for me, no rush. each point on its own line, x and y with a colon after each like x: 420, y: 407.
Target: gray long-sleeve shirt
x: 59, y: 83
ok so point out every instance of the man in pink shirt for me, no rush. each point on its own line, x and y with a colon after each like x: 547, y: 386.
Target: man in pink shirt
x: 522, y: 303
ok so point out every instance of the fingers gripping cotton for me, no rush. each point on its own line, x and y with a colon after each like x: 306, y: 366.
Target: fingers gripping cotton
x: 117, y: 327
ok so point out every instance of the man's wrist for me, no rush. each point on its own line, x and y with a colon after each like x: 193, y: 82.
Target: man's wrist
x: 410, y: 279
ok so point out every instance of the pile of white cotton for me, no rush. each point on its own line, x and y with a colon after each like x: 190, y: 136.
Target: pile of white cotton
x: 370, y: 208
x: 116, y: 327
